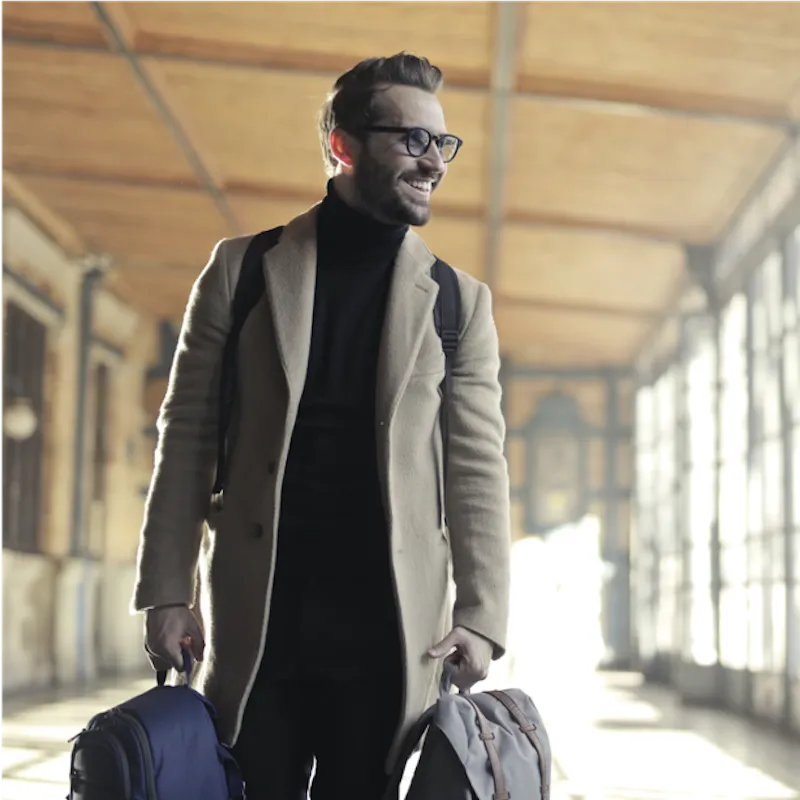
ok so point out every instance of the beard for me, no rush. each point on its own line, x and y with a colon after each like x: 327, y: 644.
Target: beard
x: 380, y: 191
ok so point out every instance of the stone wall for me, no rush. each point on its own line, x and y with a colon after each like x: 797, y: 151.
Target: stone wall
x: 65, y: 614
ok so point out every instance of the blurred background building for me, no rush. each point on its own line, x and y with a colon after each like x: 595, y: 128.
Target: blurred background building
x: 630, y: 191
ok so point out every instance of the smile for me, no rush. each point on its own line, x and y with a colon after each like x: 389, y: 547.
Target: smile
x: 423, y: 188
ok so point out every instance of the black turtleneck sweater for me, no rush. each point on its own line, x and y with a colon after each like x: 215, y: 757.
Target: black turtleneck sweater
x: 333, y: 599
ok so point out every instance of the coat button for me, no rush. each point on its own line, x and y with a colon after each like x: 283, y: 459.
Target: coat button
x: 258, y: 530
x: 271, y: 467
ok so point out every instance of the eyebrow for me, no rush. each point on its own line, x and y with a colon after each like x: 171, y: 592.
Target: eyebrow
x: 395, y: 124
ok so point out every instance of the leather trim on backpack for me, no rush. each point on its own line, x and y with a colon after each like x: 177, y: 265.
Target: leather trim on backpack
x: 487, y: 737
x: 528, y: 728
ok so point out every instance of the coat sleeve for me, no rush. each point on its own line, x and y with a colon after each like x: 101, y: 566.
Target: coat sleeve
x: 185, y: 457
x: 477, y: 492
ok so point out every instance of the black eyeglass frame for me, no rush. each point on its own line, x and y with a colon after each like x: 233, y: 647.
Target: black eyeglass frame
x: 431, y: 138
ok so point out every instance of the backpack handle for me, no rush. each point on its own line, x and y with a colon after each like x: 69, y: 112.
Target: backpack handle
x: 161, y: 675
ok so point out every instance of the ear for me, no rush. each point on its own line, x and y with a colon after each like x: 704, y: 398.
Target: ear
x: 341, y: 147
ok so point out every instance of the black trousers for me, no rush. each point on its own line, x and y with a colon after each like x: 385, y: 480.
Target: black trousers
x: 346, y: 724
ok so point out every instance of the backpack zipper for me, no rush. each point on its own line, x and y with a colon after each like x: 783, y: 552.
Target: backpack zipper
x: 109, y: 740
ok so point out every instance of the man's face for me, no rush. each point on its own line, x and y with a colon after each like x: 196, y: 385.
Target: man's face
x: 393, y: 185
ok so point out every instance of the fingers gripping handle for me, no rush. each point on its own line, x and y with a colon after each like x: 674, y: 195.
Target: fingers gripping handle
x: 447, y: 681
x: 161, y: 675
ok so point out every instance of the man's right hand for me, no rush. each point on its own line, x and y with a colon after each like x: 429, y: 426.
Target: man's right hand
x: 167, y: 629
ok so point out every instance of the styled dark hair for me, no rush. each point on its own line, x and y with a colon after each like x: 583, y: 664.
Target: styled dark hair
x: 351, y: 105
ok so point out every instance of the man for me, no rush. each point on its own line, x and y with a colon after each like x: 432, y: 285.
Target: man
x: 324, y: 578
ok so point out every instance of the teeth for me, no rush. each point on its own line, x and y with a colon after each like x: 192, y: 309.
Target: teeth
x: 423, y: 186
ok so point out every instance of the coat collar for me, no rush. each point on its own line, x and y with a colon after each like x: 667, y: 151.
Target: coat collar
x: 290, y: 270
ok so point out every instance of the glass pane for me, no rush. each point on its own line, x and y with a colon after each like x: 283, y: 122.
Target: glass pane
x: 701, y: 623
x: 668, y: 605
x: 733, y: 558
x: 645, y: 418
x: 733, y: 501
x: 776, y: 619
x: 645, y: 476
x: 772, y: 397
x: 793, y: 644
x: 733, y: 339
x: 773, y: 293
x: 791, y: 372
x: 758, y: 314
x: 700, y: 564
x: 756, y: 645
x: 755, y: 559
x: 775, y: 557
x: 796, y: 554
x: 701, y: 505
x: 665, y: 402
x: 794, y: 268
x: 700, y: 500
x: 733, y: 627
x: 733, y: 430
x: 790, y: 306
x: 760, y: 378
x: 755, y: 499
x: 796, y: 479
x: 773, y: 485
x: 667, y: 535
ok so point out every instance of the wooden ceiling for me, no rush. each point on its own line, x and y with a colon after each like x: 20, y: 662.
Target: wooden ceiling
x: 601, y: 140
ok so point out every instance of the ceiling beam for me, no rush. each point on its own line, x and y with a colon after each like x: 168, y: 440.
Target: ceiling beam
x: 576, y: 372
x: 569, y: 307
x: 506, y: 32
x: 15, y: 193
x: 277, y: 193
x: 577, y: 96
x: 118, y: 34
x: 612, y: 100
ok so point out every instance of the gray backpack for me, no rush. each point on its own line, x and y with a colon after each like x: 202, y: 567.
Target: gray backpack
x: 485, y: 746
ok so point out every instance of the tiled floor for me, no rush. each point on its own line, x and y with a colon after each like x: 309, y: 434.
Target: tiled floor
x: 613, y: 740
x: 36, y: 751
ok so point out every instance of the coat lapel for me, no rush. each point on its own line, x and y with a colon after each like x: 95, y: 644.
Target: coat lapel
x: 412, y: 297
x: 290, y: 271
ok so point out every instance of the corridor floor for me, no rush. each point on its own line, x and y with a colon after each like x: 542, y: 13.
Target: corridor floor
x: 613, y: 739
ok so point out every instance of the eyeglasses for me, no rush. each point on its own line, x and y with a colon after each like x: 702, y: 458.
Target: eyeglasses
x: 418, y: 141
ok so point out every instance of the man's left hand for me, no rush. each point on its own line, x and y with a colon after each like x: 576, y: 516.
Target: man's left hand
x: 471, y: 659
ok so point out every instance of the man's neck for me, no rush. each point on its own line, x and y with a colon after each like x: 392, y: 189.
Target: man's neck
x: 345, y: 188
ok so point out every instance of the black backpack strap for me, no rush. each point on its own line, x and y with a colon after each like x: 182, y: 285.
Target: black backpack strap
x: 249, y: 289
x: 447, y: 319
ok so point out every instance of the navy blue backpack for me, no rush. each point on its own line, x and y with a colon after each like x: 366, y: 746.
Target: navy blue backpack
x: 161, y: 745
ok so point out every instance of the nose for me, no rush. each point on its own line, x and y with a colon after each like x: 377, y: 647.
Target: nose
x: 433, y: 161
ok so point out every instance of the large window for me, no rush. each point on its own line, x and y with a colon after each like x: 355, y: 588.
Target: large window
x: 667, y: 542
x: 23, y: 409
x: 645, y: 577
x: 720, y: 445
x: 766, y: 524
x: 698, y: 507
x: 791, y: 368
x: 658, y: 551
x: 732, y: 508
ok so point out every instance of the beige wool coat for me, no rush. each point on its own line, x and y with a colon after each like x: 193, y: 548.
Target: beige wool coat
x: 232, y: 552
